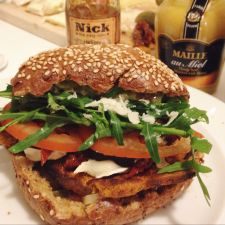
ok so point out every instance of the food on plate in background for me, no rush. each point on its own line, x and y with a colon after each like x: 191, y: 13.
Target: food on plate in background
x: 101, y: 134
x: 46, y: 7
x: 56, y: 19
x: 93, y: 21
x: 190, y: 40
x: 130, y: 11
x: 143, y: 34
x: 21, y: 2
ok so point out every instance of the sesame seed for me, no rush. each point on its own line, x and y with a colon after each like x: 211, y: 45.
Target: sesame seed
x: 156, y: 83
x: 98, y: 64
x: 126, y: 75
x: 89, y: 64
x: 130, y: 79
x: 85, y: 67
x: 65, y: 63
x: 64, y: 72
x: 27, y: 182
x: 112, y: 78
x: 29, y: 190
x: 173, y: 88
x: 28, y: 77
x: 119, y: 71
x: 96, y: 70
x: 33, y: 68
x: 47, y: 73
x: 80, y: 69
x: 36, y: 196
x: 52, y: 212
x: 147, y: 77
x: 39, y: 66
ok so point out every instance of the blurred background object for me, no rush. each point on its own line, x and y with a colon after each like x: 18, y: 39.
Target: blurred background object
x: 190, y: 37
x: 93, y: 21
x: 46, y: 19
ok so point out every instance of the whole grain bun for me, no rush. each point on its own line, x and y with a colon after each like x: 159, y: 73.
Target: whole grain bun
x: 100, y: 67
x: 53, y: 209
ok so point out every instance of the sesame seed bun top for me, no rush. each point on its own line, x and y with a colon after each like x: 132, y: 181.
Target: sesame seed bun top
x: 100, y: 67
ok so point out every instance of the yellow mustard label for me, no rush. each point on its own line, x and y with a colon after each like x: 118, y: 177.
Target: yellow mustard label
x: 85, y: 31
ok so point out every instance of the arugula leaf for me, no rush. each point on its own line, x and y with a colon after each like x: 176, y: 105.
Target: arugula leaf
x: 44, y: 132
x: 21, y: 119
x: 200, y: 168
x: 177, y: 166
x: 7, y: 93
x: 189, y: 117
x: 201, y: 145
x: 102, y: 130
x: 151, y: 141
x: 204, y: 189
x: 78, y: 102
x: 53, y: 105
x: 117, y: 130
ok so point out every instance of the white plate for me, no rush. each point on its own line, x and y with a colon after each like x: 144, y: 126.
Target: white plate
x: 190, y: 208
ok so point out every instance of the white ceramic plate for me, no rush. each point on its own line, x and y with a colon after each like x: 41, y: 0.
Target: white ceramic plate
x: 190, y: 208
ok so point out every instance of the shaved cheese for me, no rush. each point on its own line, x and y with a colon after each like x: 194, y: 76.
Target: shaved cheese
x: 148, y: 118
x: 117, y: 105
x: 74, y: 95
x: 172, y: 115
x: 87, y: 116
x: 34, y: 154
x: 99, y: 169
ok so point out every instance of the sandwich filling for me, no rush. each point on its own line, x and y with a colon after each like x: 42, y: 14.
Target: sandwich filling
x: 90, y: 143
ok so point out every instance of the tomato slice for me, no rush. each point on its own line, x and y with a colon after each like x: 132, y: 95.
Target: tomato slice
x: 134, y: 146
x: 69, y: 142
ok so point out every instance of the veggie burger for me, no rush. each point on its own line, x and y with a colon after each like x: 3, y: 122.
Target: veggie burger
x: 101, y: 134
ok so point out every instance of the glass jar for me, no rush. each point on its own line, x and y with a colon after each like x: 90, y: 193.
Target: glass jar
x: 190, y: 38
x: 93, y: 21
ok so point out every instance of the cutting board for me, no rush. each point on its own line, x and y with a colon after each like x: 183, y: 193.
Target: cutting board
x: 34, y: 24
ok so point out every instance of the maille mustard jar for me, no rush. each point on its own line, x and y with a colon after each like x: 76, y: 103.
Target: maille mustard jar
x: 190, y: 36
x: 93, y: 21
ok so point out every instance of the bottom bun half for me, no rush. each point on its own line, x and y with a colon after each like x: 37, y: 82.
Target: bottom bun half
x: 55, y: 209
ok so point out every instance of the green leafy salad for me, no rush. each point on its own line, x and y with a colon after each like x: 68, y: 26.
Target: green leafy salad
x: 112, y: 114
